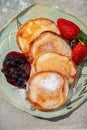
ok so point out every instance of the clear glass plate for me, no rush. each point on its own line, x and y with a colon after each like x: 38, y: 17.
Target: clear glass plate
x: 17, y: 97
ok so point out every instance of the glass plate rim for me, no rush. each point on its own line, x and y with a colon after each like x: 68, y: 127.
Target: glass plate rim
x: 1, y: 30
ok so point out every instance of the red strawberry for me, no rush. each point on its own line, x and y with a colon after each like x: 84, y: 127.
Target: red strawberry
x: 79, y: 52
x: 68, y: 29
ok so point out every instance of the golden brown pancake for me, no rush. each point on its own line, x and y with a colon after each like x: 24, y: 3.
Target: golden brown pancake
x: 47, y: 61
x: 47, y: 90
x: 31, y: 30
x: 52, y: 69
x: 49, y: 40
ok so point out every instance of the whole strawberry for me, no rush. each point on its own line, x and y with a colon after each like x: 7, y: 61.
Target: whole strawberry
x: 79, y: 52
x: 68, y: 29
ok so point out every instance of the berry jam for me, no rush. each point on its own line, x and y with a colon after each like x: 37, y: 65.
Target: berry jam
x: 16, y: 69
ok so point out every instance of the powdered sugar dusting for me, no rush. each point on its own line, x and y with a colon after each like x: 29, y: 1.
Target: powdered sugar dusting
x: 50, y: 83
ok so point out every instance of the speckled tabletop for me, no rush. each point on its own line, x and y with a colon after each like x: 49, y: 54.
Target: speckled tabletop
x: 13, y: 119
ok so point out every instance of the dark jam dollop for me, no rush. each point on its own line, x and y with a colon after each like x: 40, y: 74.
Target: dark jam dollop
x: 16, y: 69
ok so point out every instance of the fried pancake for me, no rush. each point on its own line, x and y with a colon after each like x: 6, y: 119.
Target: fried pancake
x: 46, y: 61
x: 49, y: 40
x: 31, y: 30
x: 47, y: 90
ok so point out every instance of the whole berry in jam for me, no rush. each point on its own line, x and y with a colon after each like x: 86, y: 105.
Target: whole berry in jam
x: 16, y: 69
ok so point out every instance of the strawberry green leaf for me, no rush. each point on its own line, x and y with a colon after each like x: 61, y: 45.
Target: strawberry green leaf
x: 82, y: 37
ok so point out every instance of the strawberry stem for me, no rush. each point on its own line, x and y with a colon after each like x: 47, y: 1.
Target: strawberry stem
x: 74, y: 41
x: 81, y: 42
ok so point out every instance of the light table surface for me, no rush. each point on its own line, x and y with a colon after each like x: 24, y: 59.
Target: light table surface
x: 13, y: 119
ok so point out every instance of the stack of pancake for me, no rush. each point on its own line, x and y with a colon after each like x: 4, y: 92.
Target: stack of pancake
x: 53, y: 71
